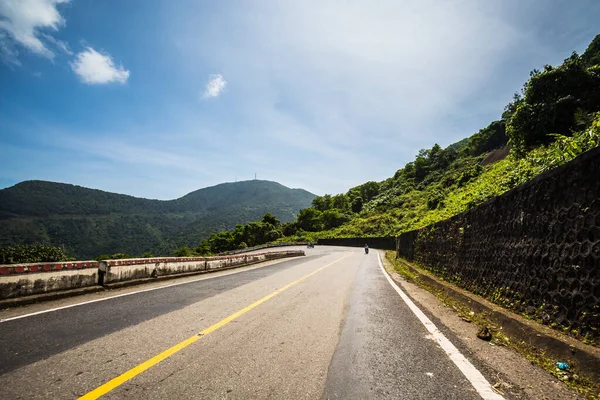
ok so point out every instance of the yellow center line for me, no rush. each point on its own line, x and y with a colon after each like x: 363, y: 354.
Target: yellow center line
x: 121, y: 379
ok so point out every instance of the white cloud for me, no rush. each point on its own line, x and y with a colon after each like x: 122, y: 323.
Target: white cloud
x: 61, y: 45
x: 8, y: 54
x: 96, y: 68
x: 23, y: 20
x: 215, y: 86
x: 37, y: 74
x: 326, y: 79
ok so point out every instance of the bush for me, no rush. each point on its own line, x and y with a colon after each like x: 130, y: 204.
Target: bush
x: 120, y: 256
x: 203, y: 248
x: 333, y: 218
x: 31, y: 253
x: 309, y: 219
x: 357, y: 204
x: 290, y: 229
x: 592, y: 54
x: 487, y: 139
x: 434, y: 200
x: 552, y: 99
x: 183, y: 251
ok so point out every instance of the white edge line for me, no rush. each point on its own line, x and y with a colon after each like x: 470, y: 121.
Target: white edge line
x: 478, y: 381
x: 130, y: 293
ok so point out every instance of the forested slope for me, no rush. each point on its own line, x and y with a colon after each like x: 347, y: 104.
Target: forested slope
x: 91, y: 222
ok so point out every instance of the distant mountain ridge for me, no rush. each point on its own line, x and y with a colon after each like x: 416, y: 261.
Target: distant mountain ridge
x: 90, y: 222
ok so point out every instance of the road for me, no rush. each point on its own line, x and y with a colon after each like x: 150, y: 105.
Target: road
x: 328, y: 325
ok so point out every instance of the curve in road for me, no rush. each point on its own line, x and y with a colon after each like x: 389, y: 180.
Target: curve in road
x: 329, y: 325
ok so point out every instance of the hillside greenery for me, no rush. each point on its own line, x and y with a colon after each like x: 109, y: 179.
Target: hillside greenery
x: 554, y: 118
x: 395, y: 211
x: 454, y: 182
x: 88, y: 223
x: 268, y: 229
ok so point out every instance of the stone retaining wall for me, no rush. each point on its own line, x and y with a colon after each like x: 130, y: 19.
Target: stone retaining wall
x: 535, y: 249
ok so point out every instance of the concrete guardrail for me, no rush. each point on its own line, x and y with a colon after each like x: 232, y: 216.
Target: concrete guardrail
x: 28, y: 279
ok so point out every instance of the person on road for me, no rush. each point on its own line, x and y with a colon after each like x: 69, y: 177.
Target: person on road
x: 366, y: 248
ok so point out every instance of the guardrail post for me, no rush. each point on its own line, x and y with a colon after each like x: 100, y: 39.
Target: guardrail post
x: 102, y: 269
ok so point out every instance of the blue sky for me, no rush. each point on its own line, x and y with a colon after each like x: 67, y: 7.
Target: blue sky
x: 158, y: 98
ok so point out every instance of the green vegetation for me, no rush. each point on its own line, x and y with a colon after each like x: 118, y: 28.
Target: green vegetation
x: 266, y: 230
x: 555, y: 118
x: 557, y: 100
x: 440, y: 184
x: 420, y: 207
x: 91, y: 222
x: 117, y: 256
x: 31, y: 253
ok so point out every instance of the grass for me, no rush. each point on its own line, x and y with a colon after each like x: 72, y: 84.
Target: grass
x: 583, y: 385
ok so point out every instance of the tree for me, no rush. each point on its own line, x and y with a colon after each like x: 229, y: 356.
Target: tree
x: 328, y: 204
x: 369, y: 190
x: 221, y: 241
x: 203, y: 248
x: 440, y: 159
x: 239, y: 234
x: 119, y: 256
x: 333, y: 218
x: 434, y: 151
x: 272, y: 235
x: 510, y: 109
x: 290, y: 229
x: 552, y: 99
x: 317, y: 203
x: 591, y: 56
x: 322, y: 203
x: 357, y: 204
x: 487, y: 139
x: 406, y: 173
x: 309, y: 219
x: 341, y: 202
x: 183, y: 251
x: 271, y: 219
x: 254, y: 233
x: 421, y: 165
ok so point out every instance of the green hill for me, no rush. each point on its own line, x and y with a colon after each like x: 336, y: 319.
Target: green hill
x: 554, y: 118
x: 90, y: 222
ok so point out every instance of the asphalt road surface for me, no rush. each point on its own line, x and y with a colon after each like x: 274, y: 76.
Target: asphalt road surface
x: 328, y: 325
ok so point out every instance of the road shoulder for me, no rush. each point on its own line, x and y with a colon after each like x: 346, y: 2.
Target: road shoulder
x: 510, y: 373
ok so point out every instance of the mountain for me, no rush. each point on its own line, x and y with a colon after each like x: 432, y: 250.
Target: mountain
x: 90, y: 222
